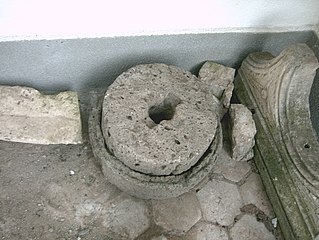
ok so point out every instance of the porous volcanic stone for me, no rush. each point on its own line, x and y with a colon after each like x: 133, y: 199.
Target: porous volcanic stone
x: 159, y: 119
x: 28, y: 116
x: 145, y: 185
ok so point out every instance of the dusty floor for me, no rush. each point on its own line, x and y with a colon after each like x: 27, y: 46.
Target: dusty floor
x: 59, y: 192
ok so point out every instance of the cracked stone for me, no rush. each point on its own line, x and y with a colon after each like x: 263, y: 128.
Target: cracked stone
x: 252, y: 192
x: 28, y: 116
x: 177, y: 215
x: 126, y: 217
x: 220, y: 202
x: 204, y: 230
x: 243, y: 132
x: 248, y: 228
x: 232, y: 170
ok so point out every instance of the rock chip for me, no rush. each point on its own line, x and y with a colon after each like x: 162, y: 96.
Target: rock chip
x: 28, y: 116
x: 220, y: 202
x: 243, y: 132
x: 248, y: 228
x: 177, y: 215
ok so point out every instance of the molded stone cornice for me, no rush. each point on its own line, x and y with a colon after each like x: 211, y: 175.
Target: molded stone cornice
x: 287, y: 148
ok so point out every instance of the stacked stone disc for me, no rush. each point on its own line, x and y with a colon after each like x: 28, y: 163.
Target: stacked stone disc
x: 156, y: 132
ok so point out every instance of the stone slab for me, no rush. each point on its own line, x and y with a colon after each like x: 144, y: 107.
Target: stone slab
x: 248, y: 228
x: 28, y: 116
x: 220, y: 202
x: 177, y: 215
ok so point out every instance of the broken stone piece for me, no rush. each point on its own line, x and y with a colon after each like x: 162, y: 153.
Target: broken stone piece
x: 28, y: 116
x: 219, y: 80
x: 243, y: 131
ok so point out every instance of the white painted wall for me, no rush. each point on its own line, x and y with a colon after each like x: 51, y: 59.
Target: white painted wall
x: 50, y: 19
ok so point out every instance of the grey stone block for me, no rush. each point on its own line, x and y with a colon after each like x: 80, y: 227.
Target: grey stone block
x: 28, y: 116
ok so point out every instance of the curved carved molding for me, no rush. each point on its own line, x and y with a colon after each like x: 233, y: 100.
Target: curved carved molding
x: 287, y: 145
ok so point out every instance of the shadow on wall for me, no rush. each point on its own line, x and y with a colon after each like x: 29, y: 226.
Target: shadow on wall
x: 84, y: 64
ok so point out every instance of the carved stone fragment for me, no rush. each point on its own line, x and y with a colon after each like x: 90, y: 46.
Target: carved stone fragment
x: 287, y: 148
x: 28, y: 116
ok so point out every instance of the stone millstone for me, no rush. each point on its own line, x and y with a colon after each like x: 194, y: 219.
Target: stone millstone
x: 159, y: 119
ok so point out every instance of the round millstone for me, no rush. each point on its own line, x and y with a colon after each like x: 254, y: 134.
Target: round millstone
x: 158, y: 119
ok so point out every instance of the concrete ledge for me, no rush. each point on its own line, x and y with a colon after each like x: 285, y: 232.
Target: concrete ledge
x: 28, y: 116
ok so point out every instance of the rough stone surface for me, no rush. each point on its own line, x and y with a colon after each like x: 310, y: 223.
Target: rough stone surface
x: 144, y: 185
x: 206, y: 231
x: 248, y: 228
x: 28, y: 116
x: 252, y: 192
x: 232, y: 170
x: 220, y: 202
x: 162, y: 237
x: 219, y: 80
x: 126, y: 218
x: 243, y: 132
x: 177, y: 215
x: 159, y: 119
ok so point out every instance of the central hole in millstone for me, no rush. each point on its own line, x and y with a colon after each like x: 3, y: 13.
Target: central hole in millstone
x: 164, y: 110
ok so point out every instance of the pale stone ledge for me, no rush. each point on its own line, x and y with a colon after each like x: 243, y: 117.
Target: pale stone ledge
x: 28, y: 116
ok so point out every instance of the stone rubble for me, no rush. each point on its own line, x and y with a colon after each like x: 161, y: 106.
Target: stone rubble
x: 28, y: 116
x: 243, y: 131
